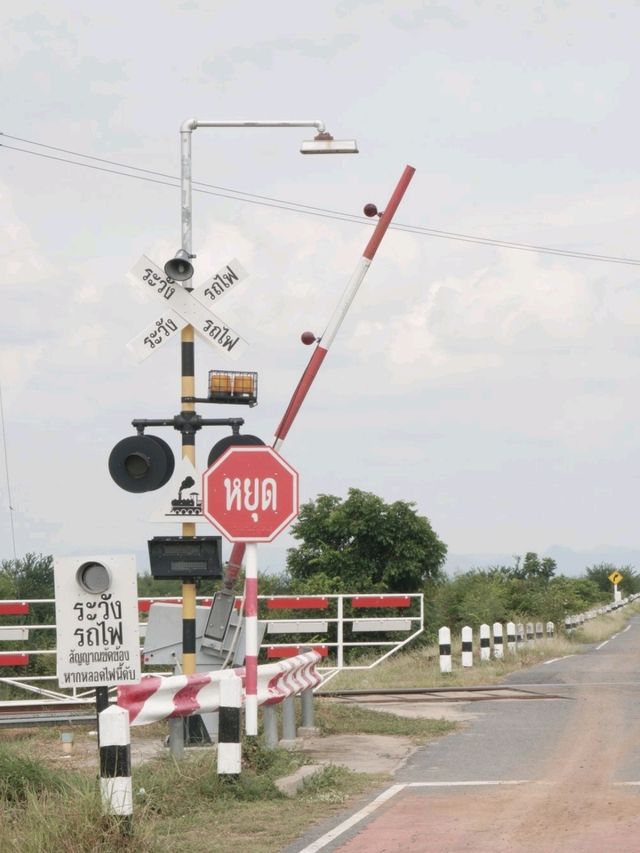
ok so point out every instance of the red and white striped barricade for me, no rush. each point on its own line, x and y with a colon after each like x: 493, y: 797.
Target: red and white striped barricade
x: 14, y: 632
x: 160, y: 697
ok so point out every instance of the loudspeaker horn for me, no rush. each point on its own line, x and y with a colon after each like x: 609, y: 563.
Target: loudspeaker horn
x: 179, y: 268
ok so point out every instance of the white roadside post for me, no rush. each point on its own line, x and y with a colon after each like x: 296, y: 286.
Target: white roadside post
x: 539, y: 631
x: 444, y: 644
x: 467, y: 646
x: 511, y: 637
x: 520, y: 638
x: 115, y: 764
x: 530, y: 633
x: 550, y: 630
x: 485, y: 642
x: 229, y: 740
x: 498, y: 649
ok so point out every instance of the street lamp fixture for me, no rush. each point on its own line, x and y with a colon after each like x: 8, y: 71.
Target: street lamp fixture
x: 180, y: 267
x: 324, y: 143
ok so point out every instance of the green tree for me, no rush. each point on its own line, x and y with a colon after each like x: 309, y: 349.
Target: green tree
x: 31, y: 577
x: 363, y: 544
x: 599, y: 574
x: 532, y: 567
x: 477, y: 596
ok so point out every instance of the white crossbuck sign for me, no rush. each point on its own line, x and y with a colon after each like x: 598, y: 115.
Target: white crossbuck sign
x: 182, y: 308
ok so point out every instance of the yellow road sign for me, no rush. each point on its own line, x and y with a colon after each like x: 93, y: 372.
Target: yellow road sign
x: 615, y: 578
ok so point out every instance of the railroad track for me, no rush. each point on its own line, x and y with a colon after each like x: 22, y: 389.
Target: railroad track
x: 436, y: 694
x: 53, y: 713
x: 46, y: 714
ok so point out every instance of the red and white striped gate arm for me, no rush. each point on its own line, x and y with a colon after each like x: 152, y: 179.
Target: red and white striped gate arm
x: 290, y: 677
x: 324, y: 343
x: 159, y: 697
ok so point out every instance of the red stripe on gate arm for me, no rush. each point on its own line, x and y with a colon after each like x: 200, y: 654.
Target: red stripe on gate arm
x: 292, y: 651
x: 302, y: 388
x: 8, y: 659
x: 14, y: 608
x: 381, y: 601
x: 298, y: 603
x: 132, y: 697
x: 387, y: 216
x: 185, y: 700
x: 143, y: 606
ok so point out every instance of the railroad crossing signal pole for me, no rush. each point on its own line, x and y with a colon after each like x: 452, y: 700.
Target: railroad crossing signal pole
x: 181, y: 269
x: 187, y: 356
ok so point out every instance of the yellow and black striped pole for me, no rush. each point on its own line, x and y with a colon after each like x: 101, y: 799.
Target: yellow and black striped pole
x: 188, y: 391
x: 188, y: 528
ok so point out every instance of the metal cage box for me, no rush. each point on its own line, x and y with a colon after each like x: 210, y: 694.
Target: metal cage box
x: 233, y: 386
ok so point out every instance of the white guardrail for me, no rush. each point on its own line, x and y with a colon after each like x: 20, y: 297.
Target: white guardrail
x: 332, y: 625
x: 159, y: 697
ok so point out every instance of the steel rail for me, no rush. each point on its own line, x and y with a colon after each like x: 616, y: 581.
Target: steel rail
x: 442, y: 694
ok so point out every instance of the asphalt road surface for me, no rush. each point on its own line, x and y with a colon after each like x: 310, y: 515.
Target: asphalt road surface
x: 546, y: 775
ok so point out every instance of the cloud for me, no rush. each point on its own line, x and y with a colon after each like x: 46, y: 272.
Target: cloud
x: 23, y: 263
x: 480, y: 321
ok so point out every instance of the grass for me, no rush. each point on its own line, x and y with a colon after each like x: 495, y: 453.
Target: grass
x: 334, y: 719
x: 180, y: 806
x: 48, y: 804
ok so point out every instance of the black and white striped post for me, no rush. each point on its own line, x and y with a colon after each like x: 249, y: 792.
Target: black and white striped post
x: 530, y: 633
x: 229, y: 739
x: 115, y: 764
x: 520, y: 633
x: 550, y: 630
x: 511, y: 637
x: 485, y: 642
x: 467, y: 646
x: 539, y: 631
x: 444, y: 644
x: 498, y: 646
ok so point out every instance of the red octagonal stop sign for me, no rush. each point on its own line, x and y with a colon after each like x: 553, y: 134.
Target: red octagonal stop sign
x: 250, y: 494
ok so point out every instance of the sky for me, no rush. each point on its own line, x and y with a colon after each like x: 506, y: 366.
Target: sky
x: 495, y: 388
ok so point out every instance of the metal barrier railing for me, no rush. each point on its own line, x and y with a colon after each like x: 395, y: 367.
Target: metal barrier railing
x: 331, y: 624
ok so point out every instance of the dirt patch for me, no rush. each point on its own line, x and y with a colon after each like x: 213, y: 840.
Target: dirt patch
x: 48, y: 746
x: 362, y: 753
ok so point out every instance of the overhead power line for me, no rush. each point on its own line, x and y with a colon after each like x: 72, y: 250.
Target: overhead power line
x: 169, y: 180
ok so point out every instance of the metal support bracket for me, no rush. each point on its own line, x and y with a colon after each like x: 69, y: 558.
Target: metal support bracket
x: 187, y: 423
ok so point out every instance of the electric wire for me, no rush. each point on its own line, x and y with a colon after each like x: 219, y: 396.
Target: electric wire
x: 299, y: 207
x: 6, y: 468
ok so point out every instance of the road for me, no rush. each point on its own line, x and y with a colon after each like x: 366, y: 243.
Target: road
x: 541, y: 776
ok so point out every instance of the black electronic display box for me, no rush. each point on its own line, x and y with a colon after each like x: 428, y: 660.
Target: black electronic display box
x: 185, y: 557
